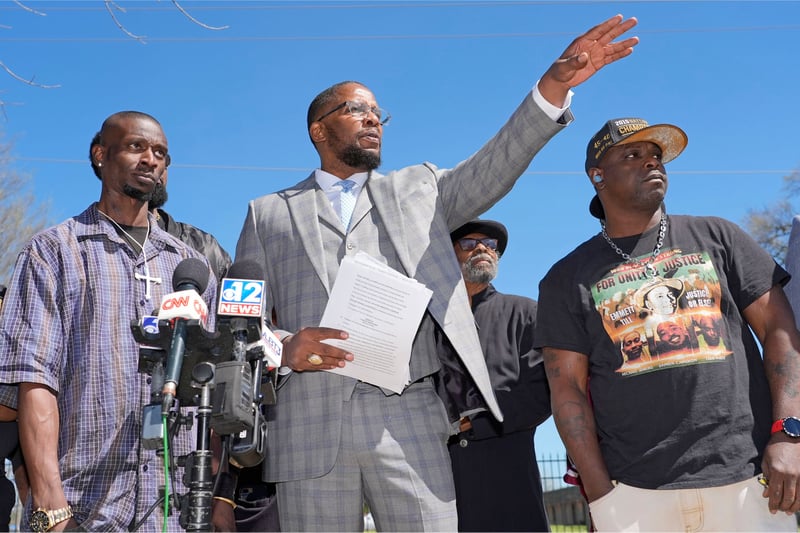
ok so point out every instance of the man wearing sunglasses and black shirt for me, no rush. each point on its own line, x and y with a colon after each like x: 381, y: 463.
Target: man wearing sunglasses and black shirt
x: 494, y: 463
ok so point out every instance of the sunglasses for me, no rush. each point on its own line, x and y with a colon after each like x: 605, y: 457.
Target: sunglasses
x: 468, y: 244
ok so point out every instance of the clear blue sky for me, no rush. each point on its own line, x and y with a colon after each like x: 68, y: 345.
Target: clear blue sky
x: 233, y: 102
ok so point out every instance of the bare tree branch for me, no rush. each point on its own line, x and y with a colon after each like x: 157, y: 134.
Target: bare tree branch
x: 187, y: 15
x: 21, y: 214
x: 770, y: 226
x: 109, y: 4
x: 23, y: 80
x: 3, y: 105
x: 791, y: 183
x: 29, y: 10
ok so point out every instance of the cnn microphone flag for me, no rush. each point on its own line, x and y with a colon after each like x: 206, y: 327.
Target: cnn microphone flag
x: 183, y: 304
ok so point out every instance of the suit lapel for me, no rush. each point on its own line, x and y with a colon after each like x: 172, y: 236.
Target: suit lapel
x: 304, y: 208
x: 387, y: 204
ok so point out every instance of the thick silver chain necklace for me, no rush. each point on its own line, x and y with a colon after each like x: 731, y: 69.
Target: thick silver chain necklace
x: 647, y: 264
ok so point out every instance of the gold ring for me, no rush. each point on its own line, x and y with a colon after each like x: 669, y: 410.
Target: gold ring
x: 315, y: 359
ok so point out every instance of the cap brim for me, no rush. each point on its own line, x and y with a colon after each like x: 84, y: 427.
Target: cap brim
x: 596, y: 208
x: 671, y: 139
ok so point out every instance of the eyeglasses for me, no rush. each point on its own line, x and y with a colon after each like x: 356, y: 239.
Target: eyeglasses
x: 359, y: 110
x: 467, y: 244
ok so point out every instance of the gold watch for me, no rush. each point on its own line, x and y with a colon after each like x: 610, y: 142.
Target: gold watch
x: 45, y: 519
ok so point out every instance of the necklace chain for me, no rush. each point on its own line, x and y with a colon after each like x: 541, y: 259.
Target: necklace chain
x: 146, y: 277
x: 647, y: 264
x: 140, y: 244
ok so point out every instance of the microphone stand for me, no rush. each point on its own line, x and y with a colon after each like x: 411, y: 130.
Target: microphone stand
x: 210, y: 364
x: 196, y: 516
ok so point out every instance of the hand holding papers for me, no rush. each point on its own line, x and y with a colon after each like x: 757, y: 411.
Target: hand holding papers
x: 381, y: 310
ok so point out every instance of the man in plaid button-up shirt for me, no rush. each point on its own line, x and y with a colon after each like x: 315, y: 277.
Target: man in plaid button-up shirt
x: 67, y: 349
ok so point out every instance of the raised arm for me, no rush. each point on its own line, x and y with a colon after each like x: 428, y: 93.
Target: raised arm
x: 772, y: 320
x: 568, y: 374
x: 477, y: 183
x: 585, y: 56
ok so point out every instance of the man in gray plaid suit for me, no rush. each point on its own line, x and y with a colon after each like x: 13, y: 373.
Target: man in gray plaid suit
x: 334, y: 442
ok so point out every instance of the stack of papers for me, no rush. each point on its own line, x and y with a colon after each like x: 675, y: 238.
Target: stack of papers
x: 380, y: 309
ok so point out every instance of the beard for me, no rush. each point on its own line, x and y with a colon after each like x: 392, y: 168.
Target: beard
x: 352, y: 155
x: 136, y: 194
x: 159, y: 196
x: 479, y: 274
x: 356, y: 157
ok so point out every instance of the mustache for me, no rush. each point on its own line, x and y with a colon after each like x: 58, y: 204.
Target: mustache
x: 480, y: 257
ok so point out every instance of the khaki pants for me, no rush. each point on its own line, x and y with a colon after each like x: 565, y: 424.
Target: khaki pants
x: 735, y: 507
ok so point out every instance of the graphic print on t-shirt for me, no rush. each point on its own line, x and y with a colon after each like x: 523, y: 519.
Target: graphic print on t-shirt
x: 671, y: 319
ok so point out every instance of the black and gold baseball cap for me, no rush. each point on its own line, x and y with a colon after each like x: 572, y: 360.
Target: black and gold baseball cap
x: 671, y: 139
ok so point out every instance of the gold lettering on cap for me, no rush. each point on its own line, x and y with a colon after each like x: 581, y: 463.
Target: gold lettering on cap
x: 627, y: 129
x: 603, y: 140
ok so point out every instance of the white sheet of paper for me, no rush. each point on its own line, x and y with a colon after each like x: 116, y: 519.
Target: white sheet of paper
x: 380, y: 309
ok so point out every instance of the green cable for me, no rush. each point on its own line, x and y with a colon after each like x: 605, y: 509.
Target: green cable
x: 166, y: 470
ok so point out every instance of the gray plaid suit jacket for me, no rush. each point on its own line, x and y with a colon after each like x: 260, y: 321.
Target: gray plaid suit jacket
x: 405, y: 218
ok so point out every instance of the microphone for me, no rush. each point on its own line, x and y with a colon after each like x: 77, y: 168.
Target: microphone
x: 241, y: 298
x: 239, y: 312
x: 268, y: 346
x: 189, y: 280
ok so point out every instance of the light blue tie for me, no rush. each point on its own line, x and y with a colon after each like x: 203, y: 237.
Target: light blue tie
x: 347, y: 201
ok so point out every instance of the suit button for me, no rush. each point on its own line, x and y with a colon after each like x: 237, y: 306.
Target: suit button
x: 350, y: 246
x: 463, y: 443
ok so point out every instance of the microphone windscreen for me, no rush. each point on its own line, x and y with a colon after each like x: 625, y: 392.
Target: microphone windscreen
x: 246, y: 269
x: 190, y: 273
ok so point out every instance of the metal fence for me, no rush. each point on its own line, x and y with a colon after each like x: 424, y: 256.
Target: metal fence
x: 566, y: 507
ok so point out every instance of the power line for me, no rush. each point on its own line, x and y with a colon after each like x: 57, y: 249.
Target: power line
x: 294, y: 6
x: 257, y: 168
x: 383, y: 37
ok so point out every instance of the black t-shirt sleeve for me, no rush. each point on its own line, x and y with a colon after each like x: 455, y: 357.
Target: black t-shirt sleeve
x: 560, y: 319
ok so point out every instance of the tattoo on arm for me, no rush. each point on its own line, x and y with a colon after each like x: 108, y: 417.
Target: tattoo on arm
x: 786, y: 372
x: 550, y: 365
x: 571, y: 419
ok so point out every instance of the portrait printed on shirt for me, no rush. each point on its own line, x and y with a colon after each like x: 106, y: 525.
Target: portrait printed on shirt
x: 667, y: 320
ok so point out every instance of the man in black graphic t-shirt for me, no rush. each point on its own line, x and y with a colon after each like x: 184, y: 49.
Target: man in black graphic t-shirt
x: 676, y: 440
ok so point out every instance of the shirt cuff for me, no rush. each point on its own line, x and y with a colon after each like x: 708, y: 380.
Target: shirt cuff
x: 554, y: 112
x: 282, y: 336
